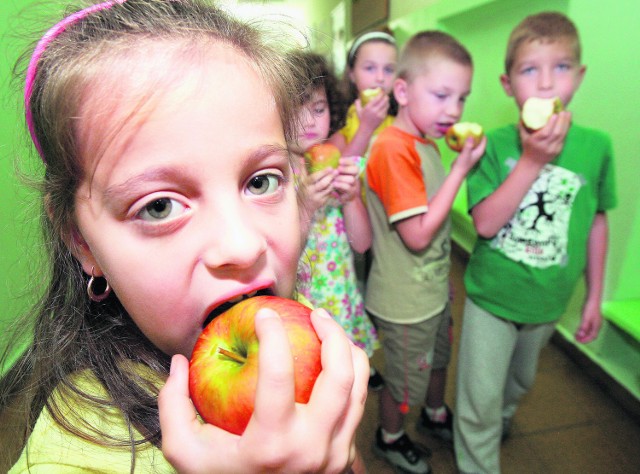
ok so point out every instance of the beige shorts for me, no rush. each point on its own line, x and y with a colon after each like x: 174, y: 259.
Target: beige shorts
x: 411, y: 351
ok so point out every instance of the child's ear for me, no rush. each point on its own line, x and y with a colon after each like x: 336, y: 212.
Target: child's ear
x: 400, y: 87
x: 351, y: 76
x: 581, y: 72
x: 81, y: 251
x: 506, y: 84
x: 75, y: 242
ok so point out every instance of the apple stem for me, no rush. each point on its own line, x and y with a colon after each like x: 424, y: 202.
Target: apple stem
x: 231, y: 355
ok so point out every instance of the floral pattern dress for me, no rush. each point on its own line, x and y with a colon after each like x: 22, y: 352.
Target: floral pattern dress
x: 328, y: 279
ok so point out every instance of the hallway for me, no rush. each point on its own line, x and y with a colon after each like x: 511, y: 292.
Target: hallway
x: 566, y: 424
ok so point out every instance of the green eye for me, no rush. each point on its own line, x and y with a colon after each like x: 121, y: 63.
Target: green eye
x: 263, y: 184
x: 160, y: 209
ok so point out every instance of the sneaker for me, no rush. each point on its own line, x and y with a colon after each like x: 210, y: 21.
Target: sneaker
x: 402, y: 454
x: 376, y: 382
x: 438, y: 429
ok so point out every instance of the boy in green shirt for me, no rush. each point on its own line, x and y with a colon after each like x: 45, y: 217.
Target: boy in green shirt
x: 538, y: 201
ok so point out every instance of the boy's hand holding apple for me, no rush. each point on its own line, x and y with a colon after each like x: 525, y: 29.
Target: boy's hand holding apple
x: 543, y: 145
x: 458, y: 134
x: 537, y: 111
x: 472, y: 150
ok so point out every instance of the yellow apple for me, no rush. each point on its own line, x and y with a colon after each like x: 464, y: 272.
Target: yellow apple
x: 456, y: 135
x: 368, y: 94
x: 537, y: 111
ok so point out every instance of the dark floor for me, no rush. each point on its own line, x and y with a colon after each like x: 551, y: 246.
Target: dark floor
x: 566, y: 424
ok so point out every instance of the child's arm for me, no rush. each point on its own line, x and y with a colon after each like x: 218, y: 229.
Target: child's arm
x: 538, y: 149
x: 356, y: 218
x: 597, y: 251
x: 282, y: 436
x: 370, y: 116
x: 418, y: 231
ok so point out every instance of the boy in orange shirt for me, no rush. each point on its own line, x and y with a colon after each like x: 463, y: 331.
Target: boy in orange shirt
x: 409, y: 197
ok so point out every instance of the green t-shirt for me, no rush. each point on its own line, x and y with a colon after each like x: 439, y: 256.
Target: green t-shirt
x: 527, y: 272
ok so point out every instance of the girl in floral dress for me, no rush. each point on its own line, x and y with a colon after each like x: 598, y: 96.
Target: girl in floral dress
x: 336, y: 216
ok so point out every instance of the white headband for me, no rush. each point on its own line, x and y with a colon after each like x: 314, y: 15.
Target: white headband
x: 372, y: 35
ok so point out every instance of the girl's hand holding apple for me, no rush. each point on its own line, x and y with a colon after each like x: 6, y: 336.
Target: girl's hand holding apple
x: 374, y: 112
x: 347, y: 183
x: 292, y: 437
x: 318, y: 188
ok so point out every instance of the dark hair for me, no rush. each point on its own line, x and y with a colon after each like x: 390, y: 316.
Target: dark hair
x: 72, y: 334
x: 317, y: 74
x: 426, y: 45
x: 545, y: 26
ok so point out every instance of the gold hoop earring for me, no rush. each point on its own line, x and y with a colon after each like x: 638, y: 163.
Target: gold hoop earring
x: 100, y: 296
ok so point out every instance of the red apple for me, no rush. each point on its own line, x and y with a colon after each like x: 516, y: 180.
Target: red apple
x: 321, y: 156
x: 223, y: 372
x: 456, y: 135
x: 368, y: 94
x: 537, y: 111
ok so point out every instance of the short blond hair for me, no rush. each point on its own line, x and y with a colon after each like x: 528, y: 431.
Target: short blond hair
x: 545, y: 26
x: 426, y: 45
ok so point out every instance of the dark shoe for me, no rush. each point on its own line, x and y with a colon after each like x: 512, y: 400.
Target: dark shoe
x: 438, y: 429
x: 506, y: 429
x: 376, y: 382
x: 402, y: 454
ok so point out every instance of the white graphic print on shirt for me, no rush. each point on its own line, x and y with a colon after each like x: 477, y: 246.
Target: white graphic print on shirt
x: 537, y: 234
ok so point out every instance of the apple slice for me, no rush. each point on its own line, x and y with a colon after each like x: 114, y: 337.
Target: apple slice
x: 368, y: 94
x: 223, y: 371
x: 537, y: 111
x: 456, y: 135
x: 321, y: 156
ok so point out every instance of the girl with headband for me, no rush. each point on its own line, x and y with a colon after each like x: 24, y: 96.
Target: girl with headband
x: 371, y: 65
x: 159, y: 208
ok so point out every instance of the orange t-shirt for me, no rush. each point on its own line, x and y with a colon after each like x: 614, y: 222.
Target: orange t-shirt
x: 404, y: 286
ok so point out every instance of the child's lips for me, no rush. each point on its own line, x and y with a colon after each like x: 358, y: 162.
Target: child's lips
x: 443, y: 127
x: 232, y: 301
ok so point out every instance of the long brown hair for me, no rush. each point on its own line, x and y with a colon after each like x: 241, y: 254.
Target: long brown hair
x: 70, y: 333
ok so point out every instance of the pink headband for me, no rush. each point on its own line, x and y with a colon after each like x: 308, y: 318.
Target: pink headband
x: 48, y: 37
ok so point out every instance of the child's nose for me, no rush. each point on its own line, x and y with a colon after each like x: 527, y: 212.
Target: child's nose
x: 232, y: 240
x: 454, y: 109
x: 545, y: 79
x: 307, y: 118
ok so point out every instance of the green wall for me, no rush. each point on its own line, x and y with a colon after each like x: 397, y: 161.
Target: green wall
x: 19, y: 231
x: 608, y: 99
